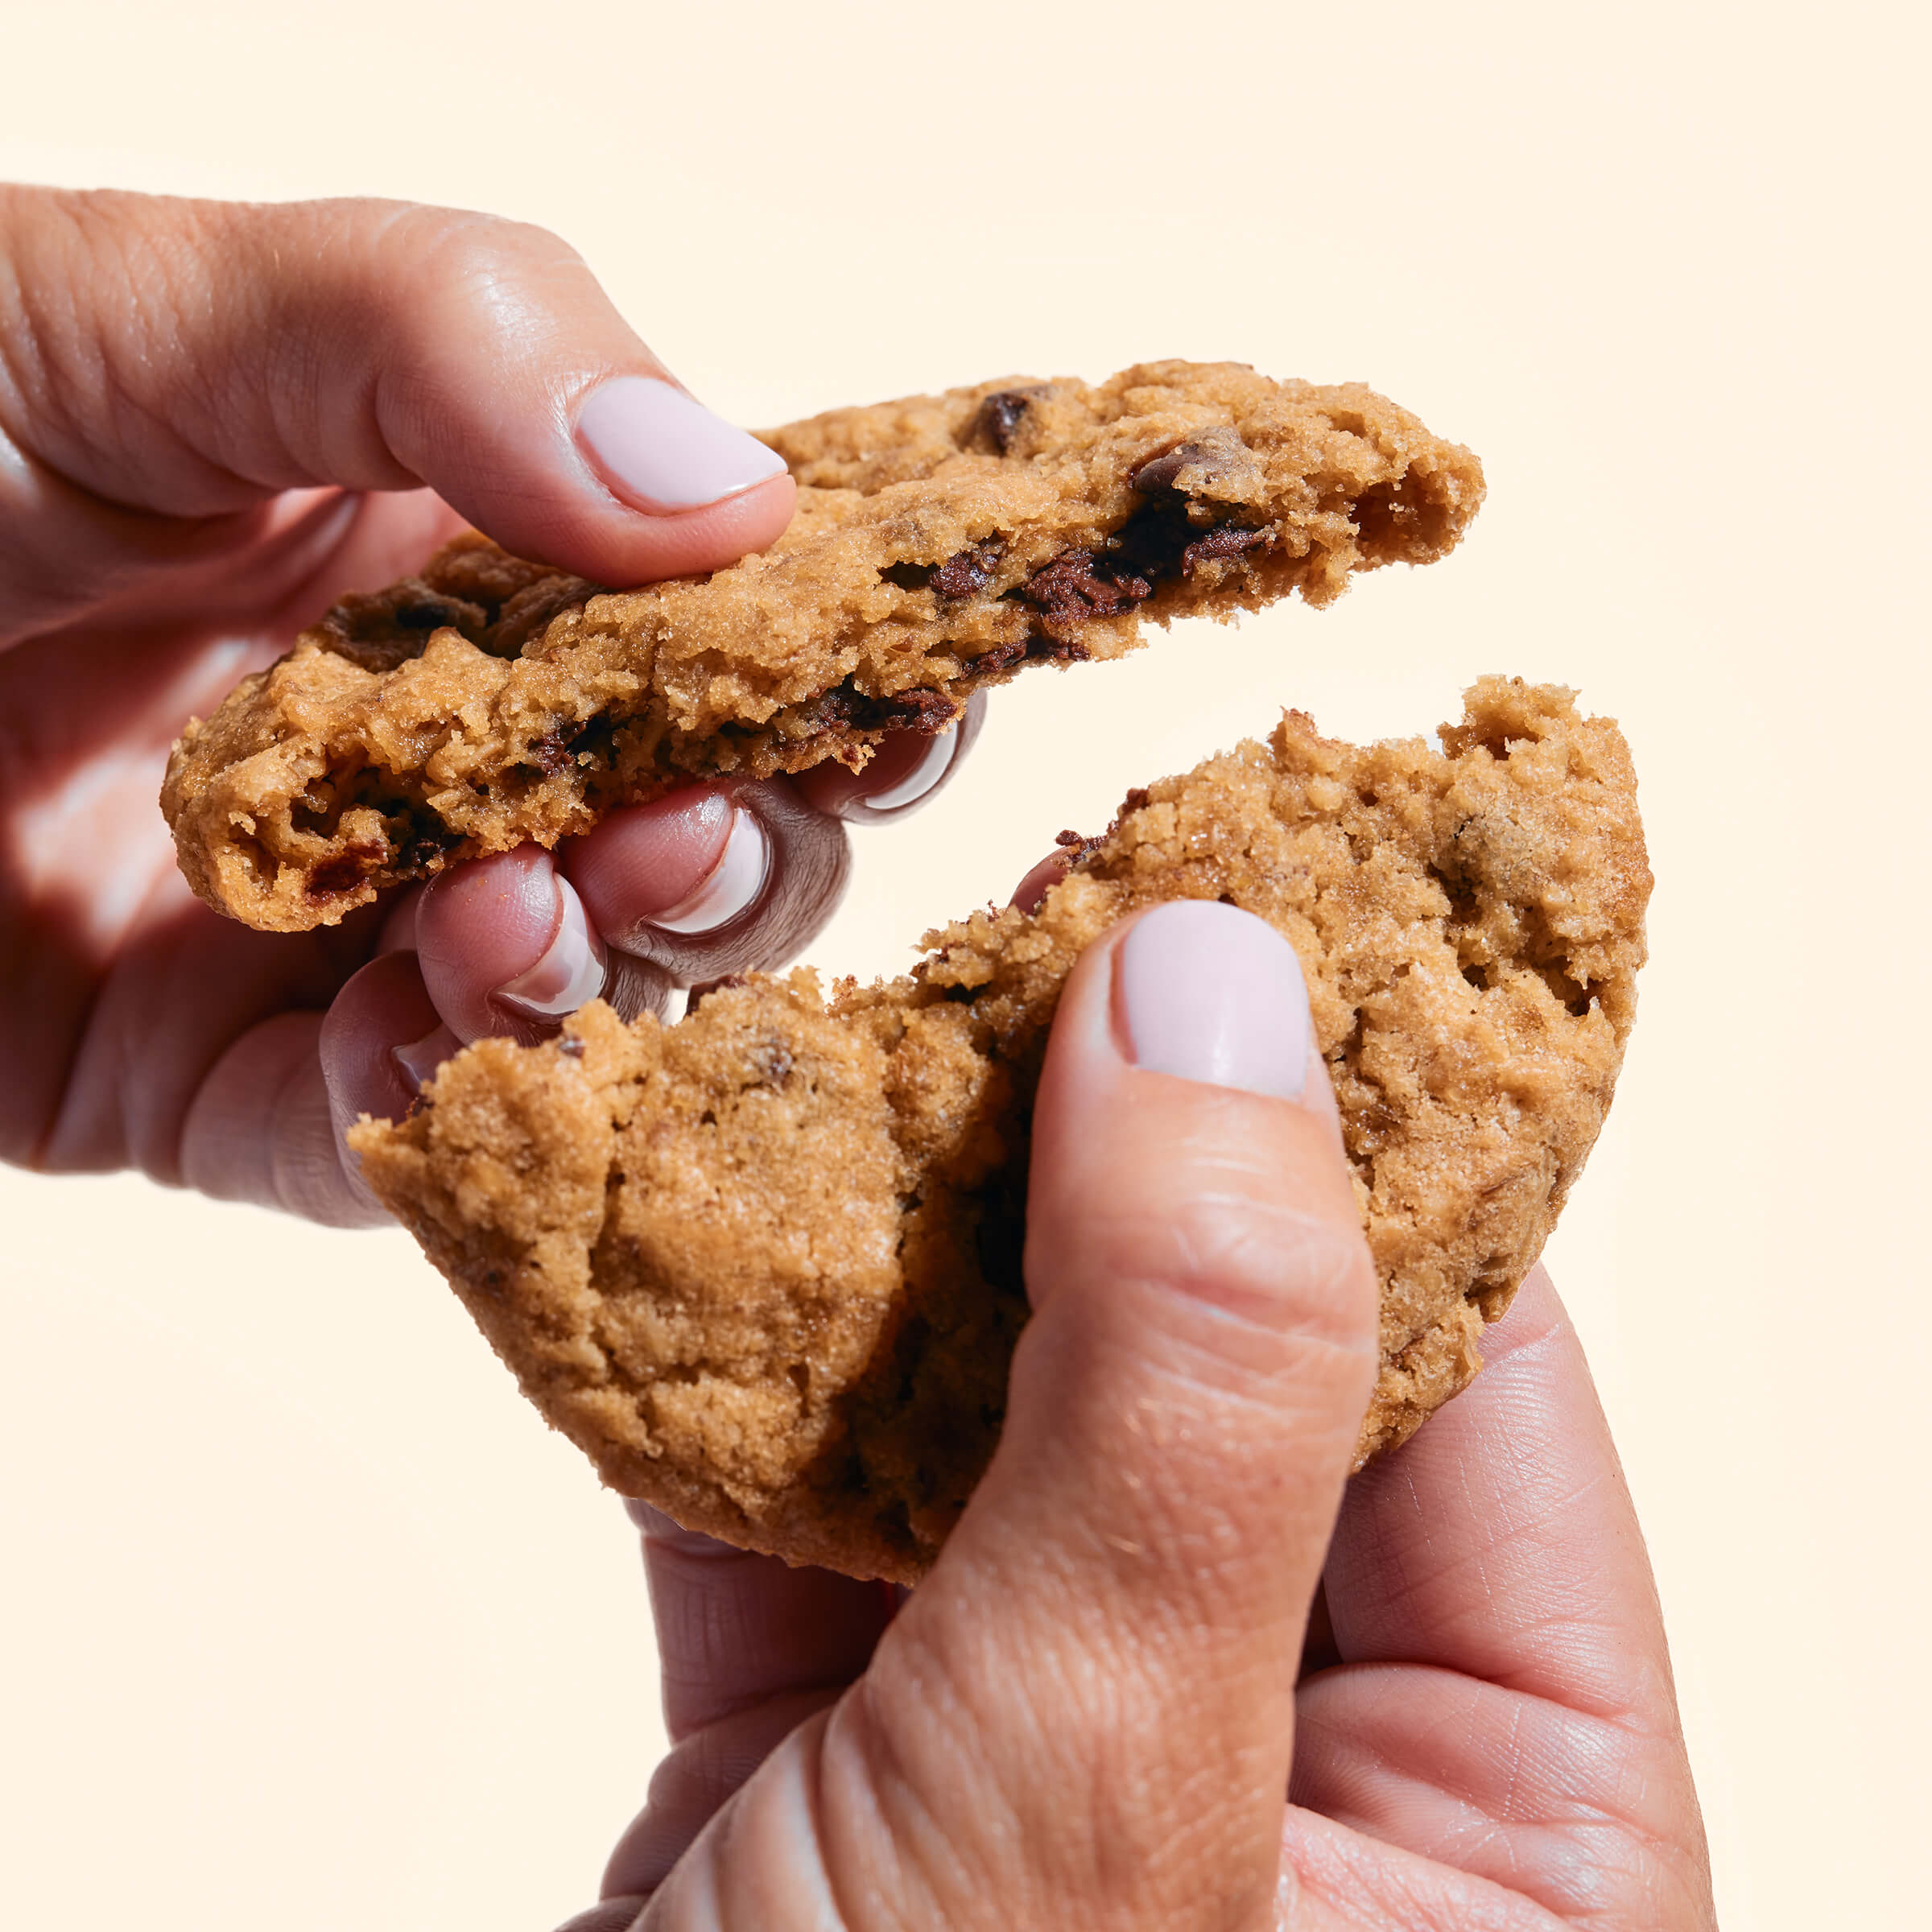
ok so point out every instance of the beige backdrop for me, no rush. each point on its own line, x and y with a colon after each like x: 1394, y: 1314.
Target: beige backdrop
x: 308, y: 1623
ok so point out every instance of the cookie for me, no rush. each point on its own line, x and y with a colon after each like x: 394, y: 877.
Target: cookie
x: 941, y: 544
x: 763, y: 1265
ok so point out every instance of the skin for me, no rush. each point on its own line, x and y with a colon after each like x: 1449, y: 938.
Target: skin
x: 1174, y: 1668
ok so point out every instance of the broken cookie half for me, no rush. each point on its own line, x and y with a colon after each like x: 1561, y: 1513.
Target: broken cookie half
x: 941, y: 544
x: 763, y: 1265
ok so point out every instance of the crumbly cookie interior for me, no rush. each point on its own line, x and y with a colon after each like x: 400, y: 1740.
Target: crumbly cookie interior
x: 942, y: 543
x: 763, y: 1265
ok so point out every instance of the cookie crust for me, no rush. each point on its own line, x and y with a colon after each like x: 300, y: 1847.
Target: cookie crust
x: 942, y: 543
x: 763, y: 1265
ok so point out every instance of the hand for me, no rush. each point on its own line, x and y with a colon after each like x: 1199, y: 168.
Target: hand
x: 213, y: 420
x: 1110, y: 1705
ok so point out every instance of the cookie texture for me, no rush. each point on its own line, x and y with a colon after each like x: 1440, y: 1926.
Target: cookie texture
x: 763, y: 1265
x: 941, y: 544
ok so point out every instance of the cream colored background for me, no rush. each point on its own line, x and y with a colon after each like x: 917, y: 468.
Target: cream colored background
x: 306, y: 1623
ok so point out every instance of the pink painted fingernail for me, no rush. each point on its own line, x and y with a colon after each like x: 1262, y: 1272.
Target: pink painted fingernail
x: 1209, y: 993
x: 934, y: 761
x: 730, y: 885
x: 660, y: 450
x: 419, y: 1059
x: 571, y: 971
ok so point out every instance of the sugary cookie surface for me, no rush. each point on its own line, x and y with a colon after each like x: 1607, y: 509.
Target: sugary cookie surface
x: 941, y: 544
x: 763, y: 1265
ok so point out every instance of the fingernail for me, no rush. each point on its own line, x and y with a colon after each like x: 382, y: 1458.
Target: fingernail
x: 659, y: 449
x: 934, y: 761
x: 571, y: 971
x: 731, y: 884
x: 1209, y: 993
x: 420, y: 1059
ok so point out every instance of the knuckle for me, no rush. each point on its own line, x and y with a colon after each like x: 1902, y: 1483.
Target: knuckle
x: 1231, y: 1237
x: 448, y: 257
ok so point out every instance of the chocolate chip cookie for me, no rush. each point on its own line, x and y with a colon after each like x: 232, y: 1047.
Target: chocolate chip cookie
x: 763, y: 1265
x: 941, y: 544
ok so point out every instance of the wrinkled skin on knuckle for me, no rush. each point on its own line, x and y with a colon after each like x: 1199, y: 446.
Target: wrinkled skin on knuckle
x: 505, y: 284
x: 1292, y: 1276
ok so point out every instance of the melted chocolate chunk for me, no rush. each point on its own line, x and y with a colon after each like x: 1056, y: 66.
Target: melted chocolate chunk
x: 923, y: 710
x: 428, y: 614
x: 1076, y: 587
x: 380, y: 631
x: 548, y: 754
x: 1032, y: 650
x: 969, y: 573
x: 1000, y: 416
x: 528, y: 613
x: 426, y: 843
x: 344, y: 871
x: 1161, y: 540
x: 1228, y: 540
x: 1214, y: 452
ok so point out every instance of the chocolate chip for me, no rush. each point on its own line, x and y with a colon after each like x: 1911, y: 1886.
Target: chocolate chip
x: 570, y: 1046
x: 1216, y: 451
x: 425, y: 616
x: 1032, y: 650
x: 1074, y: 587
x: 1057, y: 650
x: 922, y: 709
x: 344, y: 871
x: 1229, y: 540
x: 529, y: 613
x: 550, y: 753
x: 425, y: 844
x: 1000, y: 415
x: 969, y: 573
x: 1136, y: 800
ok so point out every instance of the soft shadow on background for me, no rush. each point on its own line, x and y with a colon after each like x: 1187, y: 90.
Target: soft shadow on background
x: 308, y: 1622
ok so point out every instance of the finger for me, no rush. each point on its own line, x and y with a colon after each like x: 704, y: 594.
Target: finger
x: 1503, y: 1703
x: 194, y: 358
x: 713, y: 880
x: 747, y: 1647
x: 380, y: 1041
x: 1501, y: 1542
x: 266, y: 1124
x: 612, y: 1915
x: 693, y: 1781
x: 1110, y: 1637
x: 909, y: 770
x: 734, y: 1629
x: 1042, y: 878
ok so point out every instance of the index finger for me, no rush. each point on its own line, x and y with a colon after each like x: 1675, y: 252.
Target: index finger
x: 1501, y: 1542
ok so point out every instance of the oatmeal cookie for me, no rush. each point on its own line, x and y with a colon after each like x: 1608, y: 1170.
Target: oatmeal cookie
x: 941, y: 544
x: 763, y: 1265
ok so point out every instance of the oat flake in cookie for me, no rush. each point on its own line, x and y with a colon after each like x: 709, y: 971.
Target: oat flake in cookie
x: 763, y: 1266
x: 941, y: 544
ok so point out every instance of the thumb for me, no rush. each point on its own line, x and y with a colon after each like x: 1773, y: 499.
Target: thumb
x: 193, y: 358
x: 1083, y: 1717
x: 1182, y: 1416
